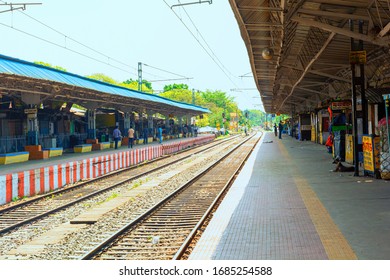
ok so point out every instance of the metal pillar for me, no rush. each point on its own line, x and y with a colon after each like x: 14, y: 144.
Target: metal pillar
x: 362, y: 86
x: 126, y: 121
x: 357, y: 81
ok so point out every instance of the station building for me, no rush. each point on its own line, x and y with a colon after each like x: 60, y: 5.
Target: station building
x: 37, y: 110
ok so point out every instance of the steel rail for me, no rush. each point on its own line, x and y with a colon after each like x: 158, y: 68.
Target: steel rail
x: 104, y: 244
x: 179, y: 254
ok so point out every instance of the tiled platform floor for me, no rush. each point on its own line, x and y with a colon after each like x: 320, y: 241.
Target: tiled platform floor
x: 288, y: 204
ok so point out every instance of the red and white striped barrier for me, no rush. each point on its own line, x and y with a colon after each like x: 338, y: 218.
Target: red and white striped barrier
x: 46, y: 179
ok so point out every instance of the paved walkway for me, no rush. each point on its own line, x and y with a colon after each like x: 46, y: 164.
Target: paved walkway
x: 288, y: 204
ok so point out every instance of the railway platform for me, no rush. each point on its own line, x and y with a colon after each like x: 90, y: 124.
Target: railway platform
x: 70, y: 157
x: 288, y: 204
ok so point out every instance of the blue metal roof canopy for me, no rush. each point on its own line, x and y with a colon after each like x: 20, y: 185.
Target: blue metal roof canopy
x: 35, y: 73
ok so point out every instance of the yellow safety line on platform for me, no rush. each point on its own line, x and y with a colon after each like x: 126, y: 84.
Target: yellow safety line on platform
x: 334, y: 242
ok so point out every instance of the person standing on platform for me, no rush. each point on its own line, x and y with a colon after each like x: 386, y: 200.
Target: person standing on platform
x: 275, y: 130
x: 145, y: 135
x: 117, y: 136
x: 280, y: 129
x: 159, y: 130
x: 130, y: 134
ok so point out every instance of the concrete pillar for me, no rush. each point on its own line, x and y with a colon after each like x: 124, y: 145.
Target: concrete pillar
x: 126, y: 122
x: 132, y: 120
x: 180, y: 119
x: 150, y: 123
x: 91, y: 117
x: 33, y: 100
x: 167, y: 126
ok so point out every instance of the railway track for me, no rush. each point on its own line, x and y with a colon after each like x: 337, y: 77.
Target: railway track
x: 165, y: 230
x: 32, y: 210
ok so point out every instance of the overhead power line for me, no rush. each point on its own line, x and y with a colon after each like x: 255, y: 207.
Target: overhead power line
x: 66, y: 37
x: 165, y: 71
x: 204, y: 40
x: 193, y: 35
x: 78, y: 42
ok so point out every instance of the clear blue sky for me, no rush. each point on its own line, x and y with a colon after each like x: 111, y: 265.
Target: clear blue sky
x: 146, y: 31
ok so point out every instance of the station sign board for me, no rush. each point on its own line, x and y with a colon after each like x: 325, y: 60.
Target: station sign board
x: 31, y: 111
x: 341, y: 105
x: 371, y: 149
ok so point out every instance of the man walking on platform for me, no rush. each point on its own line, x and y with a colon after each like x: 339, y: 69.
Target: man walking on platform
x: 146, y: 135
x: 130, y: 134
x: 117, y: 136
x: 280, y: 129
x: 160, y: 134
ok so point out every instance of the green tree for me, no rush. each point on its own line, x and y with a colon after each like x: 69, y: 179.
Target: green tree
x: 182, y: 94
x: 255, y: 118
x: 133, y: 84
x: 103, y: 78
x: 220, y: 104
x: 50, y: 65
x: 175, y: 86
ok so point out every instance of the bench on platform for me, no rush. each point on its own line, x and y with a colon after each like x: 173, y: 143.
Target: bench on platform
x: 14, y: 157
x: 82, y: 148
x: 101, y: 146
x: 112, y: 144
x: 106, y: 145
x: 54, y: 152
x: 36, y: 152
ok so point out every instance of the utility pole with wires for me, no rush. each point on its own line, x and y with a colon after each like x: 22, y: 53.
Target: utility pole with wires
x: 16, y: 6
x: 139, y: 76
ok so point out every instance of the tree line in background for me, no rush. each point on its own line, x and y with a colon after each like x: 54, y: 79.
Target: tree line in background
x: 224, y: 110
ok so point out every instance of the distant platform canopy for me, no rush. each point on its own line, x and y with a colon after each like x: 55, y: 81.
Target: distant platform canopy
x: 45, y: 84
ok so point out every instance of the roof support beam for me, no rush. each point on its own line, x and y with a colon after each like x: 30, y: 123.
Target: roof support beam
x: 385, y: 30
x: 327, y: 42
x: 332, y: 14
x: 334, y: 77
x: 259, y: 9
x: 341, y: 31
x: 313, y: 91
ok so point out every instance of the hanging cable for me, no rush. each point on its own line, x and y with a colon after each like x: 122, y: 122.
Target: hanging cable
x: 58, y: 45
x: 204, y: 40
x: 201, y: 44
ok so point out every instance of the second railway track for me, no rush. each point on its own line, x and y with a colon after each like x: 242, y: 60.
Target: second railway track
x: 164, y: 231
x: 40, y: 207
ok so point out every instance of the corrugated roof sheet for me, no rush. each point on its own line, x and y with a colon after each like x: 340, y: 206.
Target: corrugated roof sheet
x: 10, y: 65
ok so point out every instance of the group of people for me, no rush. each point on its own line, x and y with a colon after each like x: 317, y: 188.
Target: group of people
x: 280, y: 129
x: 117, y: 135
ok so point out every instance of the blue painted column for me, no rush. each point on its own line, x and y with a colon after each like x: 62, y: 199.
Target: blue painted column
x: 32, y: 126
x: 91, y: 117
